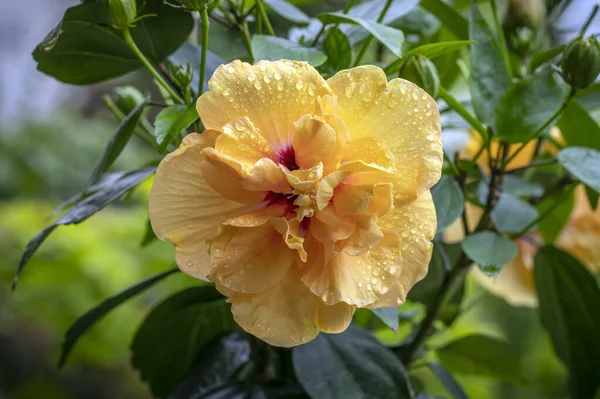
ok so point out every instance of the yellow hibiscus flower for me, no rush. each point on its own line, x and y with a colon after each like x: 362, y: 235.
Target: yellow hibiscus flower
x: 579, y: 237
x: 304, y: 198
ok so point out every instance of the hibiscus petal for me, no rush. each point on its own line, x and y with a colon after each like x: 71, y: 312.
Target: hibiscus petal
x: 184, y: 208
x: 267, y: 176
x: 334, y: 318
x: 243, y: 142
x: 254, y: 260
x: 313, y: 141
x: 273, y: 95
x: 401, y: 114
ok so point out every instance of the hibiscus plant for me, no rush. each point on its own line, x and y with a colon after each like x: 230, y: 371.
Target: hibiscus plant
x: 300, y: 176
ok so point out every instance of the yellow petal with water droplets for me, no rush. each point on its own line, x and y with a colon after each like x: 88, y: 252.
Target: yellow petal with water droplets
x: 313, y: 141
x: 383, y: 200
x: 401, y: 114
x: 332, y: 161
x: 247, y: 266
x: 336, y: 318
x: 351, y: 199
x: 372, y: 151
x: 267, y: 176
x: 326, y: 187
x: 290, y: 231
x: 366, y: 235
x: 243, y: 142
x: 272, y: 94
x: 328, y: 228
x: 304, y: 180
x: 284, y: 315
x: 185, y: 209
x: 409, y: 228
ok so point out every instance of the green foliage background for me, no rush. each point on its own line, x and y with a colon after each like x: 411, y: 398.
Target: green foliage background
x: 478, y: 346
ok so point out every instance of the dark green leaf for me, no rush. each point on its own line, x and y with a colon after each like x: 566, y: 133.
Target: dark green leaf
x: 87, y: 320
x: 449, y: 17
x: 352, y: 364
x: 389, y: 316
x: 552, y: 224
x: 528, y: 105
x: 190, y: 54
x: 589, y: 97
x: 431, y: 51
x: 174, y: 334
x: 288, y: 11
x: 121, y: 183
x: 519, y: 187
x: 116, y: 144
x: 274, y: 48
x: 583, y: 164
x: 338, y: 50
x: 424, y: 291
x: 511, y: 214
x: 390, y: 37
x: 84, y: 48
x: 481, y: 355
x: 569, y: 307
x: 489, y: 251
x: 578, y: 128
x: 149, y: 235
x: 543, y: 56
x: 215, y: 366
x: 490, y: 74
x: 447, y: 380
x: 449, y: 202
x: 171, y: 120
x: 593, y: 197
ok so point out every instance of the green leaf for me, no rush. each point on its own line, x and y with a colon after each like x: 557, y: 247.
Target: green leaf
x: 511, y: 214
x: 190, y: 54
x: 171, y: 338
x: 149, y: 235
x: 84, y: 49
x: 431, y: 51
x: 482, y: 355
x: 92, y: 316
x: 120, y: 184
x: 447, y: 380
x: 578, y: 128
x: 274, y: 48
x: 589, y: 97
x: 338, y: 50
x: 449, y: 202
x: 288, y: 11
x: 569, y: 307
x: 593, y: 197
x: 528, y: 105
x: 489, y: 251
x: 544, y: 56
x: 583, y: 164
x: 552, y: 224
x: 116, y: 144
x: 424, y: 291
x: 171, y: 120
x: 519, y: 187
x: 390, y: 37
x: 490, y: 74
x: 389, y: 316
x: 352, y: 364
x: 215, y: 366
x: 449, y: 17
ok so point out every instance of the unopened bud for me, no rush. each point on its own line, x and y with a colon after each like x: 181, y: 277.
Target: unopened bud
x: 581, y: 62
x: 123, y: 12
x: 127, y: 98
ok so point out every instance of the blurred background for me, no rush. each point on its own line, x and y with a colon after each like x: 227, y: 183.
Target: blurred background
x: 50, y: 136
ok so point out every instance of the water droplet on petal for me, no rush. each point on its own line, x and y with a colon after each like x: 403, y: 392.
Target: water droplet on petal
x: 267, y: 78
x: 311, y: 89
x: 258, y: 85
x: 262, y: 67
x: 239, y: 125
x: 277, y: 75
x: 280, y: 86
x: 360, y: 284
x: 299, y: 85
x: 230, y: 69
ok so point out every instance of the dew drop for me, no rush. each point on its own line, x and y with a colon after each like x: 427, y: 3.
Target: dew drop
x: 252, y: 77
x: 360, y: 284
x: 190, y: 264
x: 226, y: 92
x: 311, y: 89
x: 277, y: 75
x: 376, y: 272
x: 231, y: 69
x: 299, y: 85
x: 267, y: 78
x: 393, y: 270
x: 258, y: 85
x: 369, y: 287
x: 262, y: 67
x: 280, y: 86
x: 239, y: 125
x: 241, y: 272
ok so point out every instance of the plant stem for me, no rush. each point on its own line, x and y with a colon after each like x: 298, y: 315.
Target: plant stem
x: 558, y: 112
x: 346, y: 10
x: 533, y: 165
x: 246, y: 38
x: 265, y: 18
x: 548, y: 211
x: 368, y: 40
x: 589, y: 20
x: 409, y: 351
x: 204, y: 44
x: 464, y: 113
x: 131, y: 43
x: 454, y: 168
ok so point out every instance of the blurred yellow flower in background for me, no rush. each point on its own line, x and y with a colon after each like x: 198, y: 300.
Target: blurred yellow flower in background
x: 579, y: 237
x: 304, y: 198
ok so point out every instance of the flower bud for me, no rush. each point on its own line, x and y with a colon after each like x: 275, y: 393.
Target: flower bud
x: 581, y: 62
x: 123, y: 12
x: 127, y: 98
